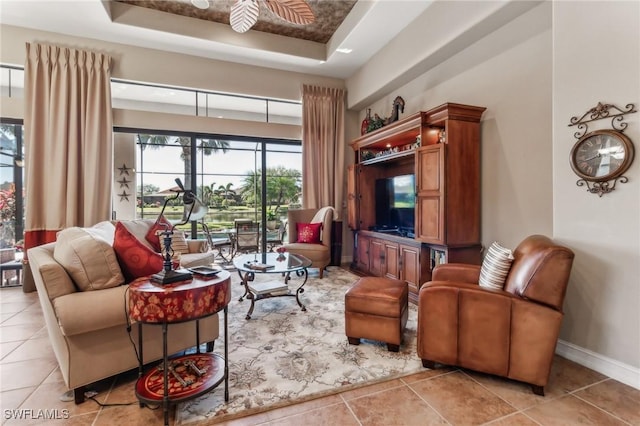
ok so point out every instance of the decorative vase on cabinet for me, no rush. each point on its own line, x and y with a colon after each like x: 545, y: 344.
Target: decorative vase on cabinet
x: 365, y: 122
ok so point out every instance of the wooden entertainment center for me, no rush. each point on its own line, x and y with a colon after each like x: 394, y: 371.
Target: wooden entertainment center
x: 441, y: 148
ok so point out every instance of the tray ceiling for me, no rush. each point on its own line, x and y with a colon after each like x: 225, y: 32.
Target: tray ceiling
x: 329, y: 15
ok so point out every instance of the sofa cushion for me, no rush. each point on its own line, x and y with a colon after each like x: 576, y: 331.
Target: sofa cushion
x: 191, y: 260
x: 83, y: 312
x: 495, y: 267
x: 136, y: 258
x: 154, y: 236
x: 308, y: 233
x: 314, y: 252
x: 88, y: 257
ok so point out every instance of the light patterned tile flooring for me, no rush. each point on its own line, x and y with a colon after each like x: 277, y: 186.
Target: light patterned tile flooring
x: 31, y: 381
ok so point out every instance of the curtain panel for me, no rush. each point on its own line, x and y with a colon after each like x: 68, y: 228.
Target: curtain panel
x: 68, y: 140
x: 323, y: 117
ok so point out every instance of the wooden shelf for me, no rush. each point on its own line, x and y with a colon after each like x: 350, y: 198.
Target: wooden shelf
x: 389, y: 157
x: 150, y: 387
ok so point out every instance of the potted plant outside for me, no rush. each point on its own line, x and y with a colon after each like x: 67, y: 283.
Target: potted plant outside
x: 272, y: 219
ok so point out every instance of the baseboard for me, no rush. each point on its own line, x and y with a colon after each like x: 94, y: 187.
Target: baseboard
x: 617, y: 370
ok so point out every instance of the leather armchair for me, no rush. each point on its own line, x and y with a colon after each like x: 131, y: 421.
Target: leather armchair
x: 511, y: 332
x: 319, y: 254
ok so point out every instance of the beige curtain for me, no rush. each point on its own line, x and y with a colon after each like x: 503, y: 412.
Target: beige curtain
x: 323, y: 115
x: 68, y: 140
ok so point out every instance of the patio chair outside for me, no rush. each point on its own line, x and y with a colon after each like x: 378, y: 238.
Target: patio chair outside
x: 247, y: 236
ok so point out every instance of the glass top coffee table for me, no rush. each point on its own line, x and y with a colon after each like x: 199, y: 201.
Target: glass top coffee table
x: 271, y: 263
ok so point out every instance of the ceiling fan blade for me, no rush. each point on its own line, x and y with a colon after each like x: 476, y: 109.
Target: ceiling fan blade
x: 244, y: 14
x: 294, y: 11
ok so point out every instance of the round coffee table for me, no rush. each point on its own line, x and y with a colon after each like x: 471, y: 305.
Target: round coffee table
x: 271, y: 263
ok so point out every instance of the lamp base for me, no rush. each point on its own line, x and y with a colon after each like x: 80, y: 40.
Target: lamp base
x: 172, y: 276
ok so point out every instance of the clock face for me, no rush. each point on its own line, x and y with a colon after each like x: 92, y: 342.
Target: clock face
x: 601, y: 155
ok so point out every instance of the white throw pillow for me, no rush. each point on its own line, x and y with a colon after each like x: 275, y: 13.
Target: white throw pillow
x: 88, y: 258
x: 495, y: 267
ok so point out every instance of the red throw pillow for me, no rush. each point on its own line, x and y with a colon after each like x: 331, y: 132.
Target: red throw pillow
x: 308, y: 232
x: 136, y: 259
x: 152, y: 234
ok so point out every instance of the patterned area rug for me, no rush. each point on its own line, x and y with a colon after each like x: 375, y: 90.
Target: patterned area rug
x: 283, y: 355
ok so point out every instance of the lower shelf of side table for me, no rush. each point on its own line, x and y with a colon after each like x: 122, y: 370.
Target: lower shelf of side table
x: 150, y: 387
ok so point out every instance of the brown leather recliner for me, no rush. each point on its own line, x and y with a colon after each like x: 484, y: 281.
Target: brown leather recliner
x: 511, y: 332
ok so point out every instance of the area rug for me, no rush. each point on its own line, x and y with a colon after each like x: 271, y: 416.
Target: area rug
x: 283, y: 355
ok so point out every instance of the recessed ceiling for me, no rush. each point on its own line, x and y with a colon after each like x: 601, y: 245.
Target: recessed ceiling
x: 366, y: 27
x: 328, y: 16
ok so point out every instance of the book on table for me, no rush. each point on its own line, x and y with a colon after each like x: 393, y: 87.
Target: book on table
x: 258, y: 266
x: 269, y: 287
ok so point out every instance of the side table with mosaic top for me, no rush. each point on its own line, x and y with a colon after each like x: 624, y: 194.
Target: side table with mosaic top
x: 186, y: 376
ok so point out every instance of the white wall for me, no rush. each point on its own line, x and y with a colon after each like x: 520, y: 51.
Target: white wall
x: 509, y: 73
x: 155, y: 66
x: 533, y: 74
x: 597, y: 59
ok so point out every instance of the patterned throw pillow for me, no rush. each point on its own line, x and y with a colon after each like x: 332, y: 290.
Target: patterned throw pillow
x: 135, y: 258
x: 495, y: 267
x: 308, y: 232
x: 153, y: 236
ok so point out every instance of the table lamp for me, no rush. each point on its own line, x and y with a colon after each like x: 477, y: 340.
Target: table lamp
x: 194, y: 210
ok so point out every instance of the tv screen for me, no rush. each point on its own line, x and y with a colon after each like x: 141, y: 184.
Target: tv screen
x: 395, y: 203
x: 403, y: 192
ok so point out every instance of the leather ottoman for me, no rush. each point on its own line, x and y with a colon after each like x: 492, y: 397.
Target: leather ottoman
x: 376, y: 308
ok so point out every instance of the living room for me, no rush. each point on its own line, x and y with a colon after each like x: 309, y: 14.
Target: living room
x: 533, y: 67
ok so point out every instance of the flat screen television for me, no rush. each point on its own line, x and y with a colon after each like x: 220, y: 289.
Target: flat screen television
x: 395, y: 204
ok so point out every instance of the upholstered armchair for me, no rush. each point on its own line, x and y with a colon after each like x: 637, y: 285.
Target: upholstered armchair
x: 510, y: 332
x: 319, y: 251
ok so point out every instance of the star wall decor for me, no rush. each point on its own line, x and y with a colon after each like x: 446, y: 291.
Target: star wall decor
x: 124, y: 182
x: 124, y: 170
x: 124, y: 196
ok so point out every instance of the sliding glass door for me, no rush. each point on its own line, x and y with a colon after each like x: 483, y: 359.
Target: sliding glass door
x: 237, y: 178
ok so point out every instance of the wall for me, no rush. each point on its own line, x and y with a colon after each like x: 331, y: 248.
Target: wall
x: 533, y: 74
x: 155, y: 66
x: 602, y: 314
x: 509, y: 73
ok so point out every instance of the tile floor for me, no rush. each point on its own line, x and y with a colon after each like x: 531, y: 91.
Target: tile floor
x: 31, y: 381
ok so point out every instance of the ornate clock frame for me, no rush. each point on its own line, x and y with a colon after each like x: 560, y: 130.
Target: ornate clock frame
x: 605, y: 183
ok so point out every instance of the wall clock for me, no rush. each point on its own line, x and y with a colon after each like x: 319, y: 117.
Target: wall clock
x: 600, y: 157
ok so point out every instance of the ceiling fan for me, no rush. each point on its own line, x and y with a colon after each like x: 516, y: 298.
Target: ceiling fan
x: 244, y: 13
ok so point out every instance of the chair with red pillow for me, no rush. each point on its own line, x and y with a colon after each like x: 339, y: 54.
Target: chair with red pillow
x: 309, y: 234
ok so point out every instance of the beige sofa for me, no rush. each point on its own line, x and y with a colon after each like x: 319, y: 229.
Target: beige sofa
x: 88, y: 328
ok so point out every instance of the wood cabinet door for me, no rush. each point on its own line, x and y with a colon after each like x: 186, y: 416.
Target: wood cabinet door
x: 410, y: 266
x: 352, y: 205
x: 391, y: 260
x: 431, y: 194
x: 362, y: 253
x: 376, y: 257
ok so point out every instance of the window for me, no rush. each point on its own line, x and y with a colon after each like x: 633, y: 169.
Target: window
x: 226, y: 173
x: 11, y: 185
x: 11, y: 81
x: 195, y: 102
